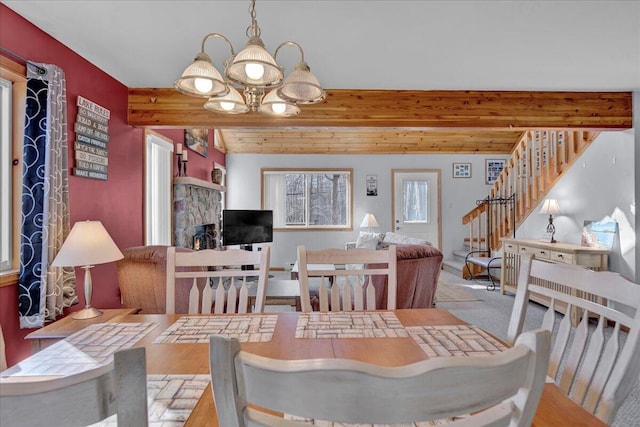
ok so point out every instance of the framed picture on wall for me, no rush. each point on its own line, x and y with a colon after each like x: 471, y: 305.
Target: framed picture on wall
x: 462, y: 170
x: 197, y: 140
x: 493, y: 168
x: 372, y: 185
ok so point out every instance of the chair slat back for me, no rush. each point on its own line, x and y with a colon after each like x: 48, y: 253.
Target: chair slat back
x: 351, y: 288
x: 219, y: 270
x: 596, y: 371
x: 506, y: 387
x: 80, y: 399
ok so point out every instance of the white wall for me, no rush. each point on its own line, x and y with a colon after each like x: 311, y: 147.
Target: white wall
x: 600, y: 184
x: 636, y: 127
x: 458, y: 195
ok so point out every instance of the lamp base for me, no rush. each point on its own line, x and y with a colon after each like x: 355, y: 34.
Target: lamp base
x: 87, y: 313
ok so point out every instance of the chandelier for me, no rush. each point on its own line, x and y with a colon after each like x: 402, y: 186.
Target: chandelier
x: 255, y: 71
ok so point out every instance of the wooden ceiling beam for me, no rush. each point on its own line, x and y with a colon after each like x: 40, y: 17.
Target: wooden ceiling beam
x: 371, y: 141
x: 401, y: 109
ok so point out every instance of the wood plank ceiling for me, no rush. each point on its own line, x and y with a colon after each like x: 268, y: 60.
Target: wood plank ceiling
x: 389, y: 121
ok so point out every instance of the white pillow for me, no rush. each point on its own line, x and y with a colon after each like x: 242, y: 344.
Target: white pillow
x: 368, y: 240
x: 392, y: 237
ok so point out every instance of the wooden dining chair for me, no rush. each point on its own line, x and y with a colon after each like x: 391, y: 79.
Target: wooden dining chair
x: 81, y: 399
x: 595, y: 371
x: 219, y: 281
x: 503, y: 389
x: 352, y: 287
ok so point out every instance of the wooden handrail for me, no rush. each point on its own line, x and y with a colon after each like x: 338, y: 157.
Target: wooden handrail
x: 537, y: 162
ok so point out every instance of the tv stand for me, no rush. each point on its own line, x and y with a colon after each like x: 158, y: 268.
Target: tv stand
x: 248, y: 247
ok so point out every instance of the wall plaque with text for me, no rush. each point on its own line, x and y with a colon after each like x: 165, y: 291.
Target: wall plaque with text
x: 92, y: 136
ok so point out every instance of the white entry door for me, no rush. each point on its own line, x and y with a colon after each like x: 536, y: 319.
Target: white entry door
x: 416, y: 203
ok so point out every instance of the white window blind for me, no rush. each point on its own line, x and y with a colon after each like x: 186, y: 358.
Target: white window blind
x: 304, y: 199
x: 6, y: 192
x: 158, y: 181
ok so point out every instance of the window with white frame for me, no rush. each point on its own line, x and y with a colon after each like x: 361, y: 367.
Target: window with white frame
x: 308, y: 198
x: 158, y: 182
x: 6, y: 185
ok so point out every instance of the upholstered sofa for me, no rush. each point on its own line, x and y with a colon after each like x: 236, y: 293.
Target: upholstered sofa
x: 142, y: 276
x: 419, y: 266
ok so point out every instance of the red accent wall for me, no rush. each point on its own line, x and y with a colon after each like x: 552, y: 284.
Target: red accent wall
x: 198, y: 166
x: 117, y: 202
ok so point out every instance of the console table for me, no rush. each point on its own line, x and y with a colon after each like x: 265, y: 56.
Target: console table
x: 513, y: 249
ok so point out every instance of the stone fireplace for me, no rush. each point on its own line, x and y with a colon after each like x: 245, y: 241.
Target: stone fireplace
x: 196, y: 203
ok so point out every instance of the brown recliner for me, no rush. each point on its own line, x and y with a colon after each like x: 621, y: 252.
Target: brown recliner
x: 142, y: 275
x: 418, y: 271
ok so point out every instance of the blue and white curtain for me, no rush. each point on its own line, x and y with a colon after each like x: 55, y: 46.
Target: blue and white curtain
x: 44, y: 290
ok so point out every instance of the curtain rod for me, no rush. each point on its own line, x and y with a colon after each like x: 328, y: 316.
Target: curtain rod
x: 41, y: 70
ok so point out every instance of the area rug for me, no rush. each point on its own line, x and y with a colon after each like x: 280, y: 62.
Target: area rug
x: 446, y: 292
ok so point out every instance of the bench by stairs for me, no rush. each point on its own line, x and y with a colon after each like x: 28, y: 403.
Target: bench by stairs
x: 473, y: 265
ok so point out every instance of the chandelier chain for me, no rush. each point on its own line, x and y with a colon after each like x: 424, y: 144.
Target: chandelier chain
x: 253, y: 30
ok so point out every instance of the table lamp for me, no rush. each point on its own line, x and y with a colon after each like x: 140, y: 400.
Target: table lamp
x: 550, y: 206
x: 88, y: 244
x: 369, y: 221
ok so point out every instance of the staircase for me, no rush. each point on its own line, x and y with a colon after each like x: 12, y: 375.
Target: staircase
x: 537, y: 162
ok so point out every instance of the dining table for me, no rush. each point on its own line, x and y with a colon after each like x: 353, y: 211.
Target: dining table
x: 178, y: 345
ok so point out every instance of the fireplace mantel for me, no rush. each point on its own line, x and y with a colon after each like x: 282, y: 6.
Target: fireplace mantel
x: 187, y: 180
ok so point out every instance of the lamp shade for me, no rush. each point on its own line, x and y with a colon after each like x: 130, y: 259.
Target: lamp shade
x: 550, y: 207
x: 254, y: 66
x: 231, y: 103
x: 301, y: 86
x: 369, y: 221
x: 274, y: 105
x: 88, y: 243
x: 201, y: 79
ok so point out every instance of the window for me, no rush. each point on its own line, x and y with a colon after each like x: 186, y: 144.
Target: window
x: 158, y: 182
x: 13, y: 89
x: 415, y: 201
x: 6, y: 194
x: 308, y: 199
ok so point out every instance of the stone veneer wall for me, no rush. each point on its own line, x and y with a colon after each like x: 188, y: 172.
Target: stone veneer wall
x: 194, y: 205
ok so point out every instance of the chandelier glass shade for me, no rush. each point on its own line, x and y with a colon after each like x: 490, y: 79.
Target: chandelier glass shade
x: 231, y: 103
x: 254, y: 66
x: 201, y: 79
x: 276, y: 105
x: 301, y: 84
x: 255, y: 71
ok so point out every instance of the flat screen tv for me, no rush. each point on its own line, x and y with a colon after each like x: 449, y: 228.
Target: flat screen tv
x: 245, y: 227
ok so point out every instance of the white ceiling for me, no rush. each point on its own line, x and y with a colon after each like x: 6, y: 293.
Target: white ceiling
x: 482, y: 45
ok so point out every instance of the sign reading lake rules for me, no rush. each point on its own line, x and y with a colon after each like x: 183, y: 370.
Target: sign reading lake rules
x: 92, y: 137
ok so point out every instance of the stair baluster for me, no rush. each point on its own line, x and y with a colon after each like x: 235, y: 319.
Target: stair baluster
x: 537, y: 162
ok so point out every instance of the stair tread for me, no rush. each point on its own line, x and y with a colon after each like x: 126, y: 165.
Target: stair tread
x: 482, y: 245
x: 462, y: 253
x: 453, y: 263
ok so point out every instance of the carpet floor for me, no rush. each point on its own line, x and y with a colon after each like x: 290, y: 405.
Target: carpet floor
x: 446, y: 292
x: 492, y: 312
